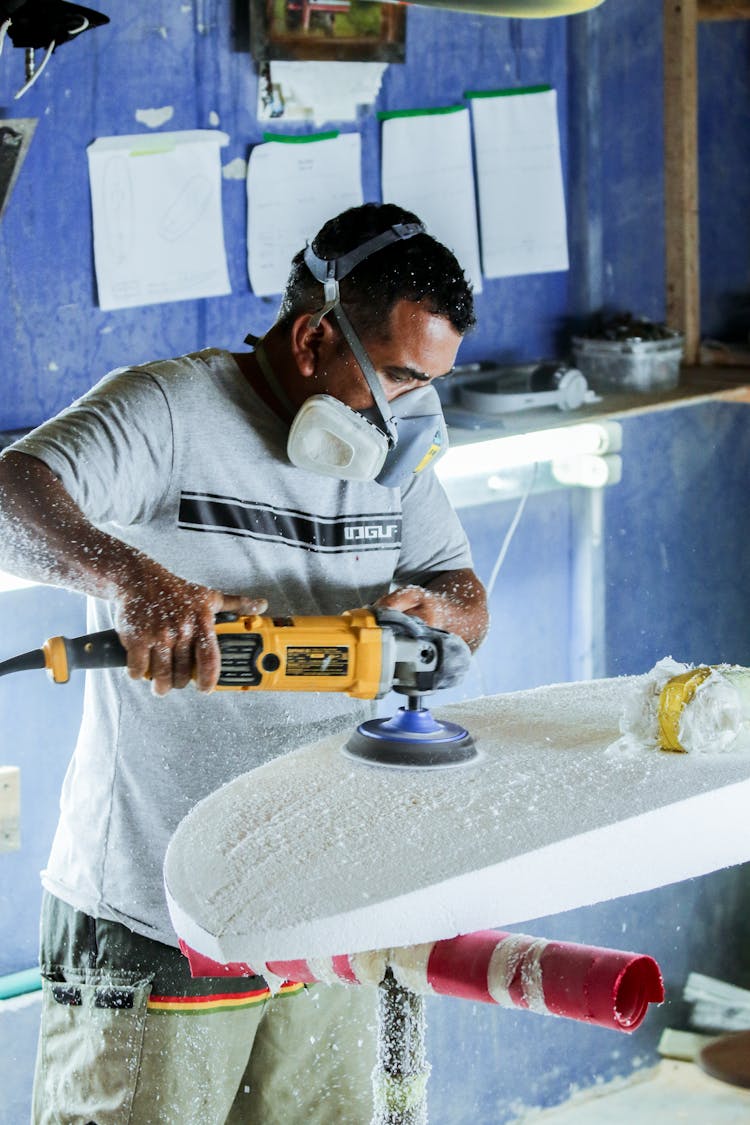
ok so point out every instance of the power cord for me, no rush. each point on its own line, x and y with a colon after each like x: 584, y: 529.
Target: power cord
x: 504, y: 546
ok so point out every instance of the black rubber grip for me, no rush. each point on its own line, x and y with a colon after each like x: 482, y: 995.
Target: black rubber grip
x: 96, y: 650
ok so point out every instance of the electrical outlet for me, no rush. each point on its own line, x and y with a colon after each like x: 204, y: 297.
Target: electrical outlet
x: 10, y: 808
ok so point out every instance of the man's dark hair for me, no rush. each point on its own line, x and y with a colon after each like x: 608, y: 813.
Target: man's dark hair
x: 414, y: 269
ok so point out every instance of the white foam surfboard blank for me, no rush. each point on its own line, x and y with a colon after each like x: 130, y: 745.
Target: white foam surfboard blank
x: 314, y: 854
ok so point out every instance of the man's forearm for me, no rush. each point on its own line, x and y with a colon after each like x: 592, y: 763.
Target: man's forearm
x: 467, y: 603
x: 45, y: 537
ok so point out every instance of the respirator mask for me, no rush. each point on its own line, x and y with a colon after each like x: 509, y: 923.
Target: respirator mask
x: 388, y: 442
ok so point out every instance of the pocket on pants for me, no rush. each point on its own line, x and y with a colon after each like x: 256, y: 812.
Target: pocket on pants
x: 89, y: 1050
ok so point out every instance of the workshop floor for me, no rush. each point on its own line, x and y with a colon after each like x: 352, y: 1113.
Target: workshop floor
x: 677, y: 1093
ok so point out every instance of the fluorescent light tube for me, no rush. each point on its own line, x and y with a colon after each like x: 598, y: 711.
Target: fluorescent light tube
x: 480, y: 457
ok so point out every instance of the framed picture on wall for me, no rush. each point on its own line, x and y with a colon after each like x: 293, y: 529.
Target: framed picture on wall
x: 333, y: 30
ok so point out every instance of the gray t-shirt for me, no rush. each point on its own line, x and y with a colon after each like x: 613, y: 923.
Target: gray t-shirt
x: 182, y: 460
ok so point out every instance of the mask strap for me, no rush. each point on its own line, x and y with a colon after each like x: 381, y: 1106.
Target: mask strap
x: 328, y: 271
x: 369, y: 372
x: 268, y: 372
x: 345, y: 264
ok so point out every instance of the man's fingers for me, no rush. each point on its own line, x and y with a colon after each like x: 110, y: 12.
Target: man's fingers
x: 161, y: 668
x: 242, y: 604
x: 181, y: 642
x: 403, y: 599
x: 173, y: 667
x: 182, y: 665
x: 417, y: 602
x: 207, y: 661
x: 403, y: 603
x: 139, y: 660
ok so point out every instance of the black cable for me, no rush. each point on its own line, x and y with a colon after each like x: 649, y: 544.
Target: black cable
x: 27, y: 662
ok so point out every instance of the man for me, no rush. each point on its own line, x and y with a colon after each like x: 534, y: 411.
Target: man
x: 240, y: 483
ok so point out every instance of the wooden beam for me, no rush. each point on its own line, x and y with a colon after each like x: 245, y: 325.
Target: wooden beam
x: 681, y: 171
x: 724, y: 9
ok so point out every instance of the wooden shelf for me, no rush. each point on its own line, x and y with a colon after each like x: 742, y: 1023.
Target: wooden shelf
x: 697, y: 385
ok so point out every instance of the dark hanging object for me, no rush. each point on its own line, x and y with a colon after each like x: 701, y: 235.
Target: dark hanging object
x: 29, y: 24
x: 38, y: 23
x: 15, y: 138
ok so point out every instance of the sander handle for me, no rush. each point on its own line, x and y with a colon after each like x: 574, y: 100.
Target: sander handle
x: 63, y: 655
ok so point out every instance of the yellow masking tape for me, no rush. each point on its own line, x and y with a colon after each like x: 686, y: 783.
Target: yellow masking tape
x: 673, y: 698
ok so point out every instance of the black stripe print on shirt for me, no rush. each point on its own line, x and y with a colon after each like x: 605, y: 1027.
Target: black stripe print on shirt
x: 227, y: 515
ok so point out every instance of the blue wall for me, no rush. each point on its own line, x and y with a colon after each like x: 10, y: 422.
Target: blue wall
x: 676, y: 546
x: 677, y: 543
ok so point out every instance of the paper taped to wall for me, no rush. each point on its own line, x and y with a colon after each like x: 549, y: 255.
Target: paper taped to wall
x: 427, y: 168
x: 294, y: 185
x: 156, y: 207
x: 520, y: 184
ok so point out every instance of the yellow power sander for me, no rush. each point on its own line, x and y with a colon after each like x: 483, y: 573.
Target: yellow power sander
x: 364, y: 653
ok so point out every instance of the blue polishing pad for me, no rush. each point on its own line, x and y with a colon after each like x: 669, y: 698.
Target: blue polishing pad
x: 412, y: 738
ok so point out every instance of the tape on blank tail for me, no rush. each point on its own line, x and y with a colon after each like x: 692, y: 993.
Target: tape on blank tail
x: 607, y: 987
x: 459, y: 966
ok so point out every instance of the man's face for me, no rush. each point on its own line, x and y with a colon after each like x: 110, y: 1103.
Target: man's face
x: 419, y: 348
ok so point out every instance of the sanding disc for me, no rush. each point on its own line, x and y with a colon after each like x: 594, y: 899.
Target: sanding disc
x: 411, y: 739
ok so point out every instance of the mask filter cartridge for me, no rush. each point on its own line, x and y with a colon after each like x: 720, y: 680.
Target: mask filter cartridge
x: 327, y: 437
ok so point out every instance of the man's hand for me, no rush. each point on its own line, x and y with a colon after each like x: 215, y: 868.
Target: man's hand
x: 453, y: 601
x: 167, y: 627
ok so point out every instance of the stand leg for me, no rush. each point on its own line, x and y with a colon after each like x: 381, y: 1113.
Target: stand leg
x: 400, y: 1076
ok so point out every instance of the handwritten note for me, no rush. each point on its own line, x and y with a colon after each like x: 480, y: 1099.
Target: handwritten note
x: 427, y: 168
x: 294, y: 185
x: 156, y: 208
x: 520, y: 184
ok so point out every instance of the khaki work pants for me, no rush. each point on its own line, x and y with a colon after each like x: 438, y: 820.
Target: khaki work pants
x: 106, y: 1057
